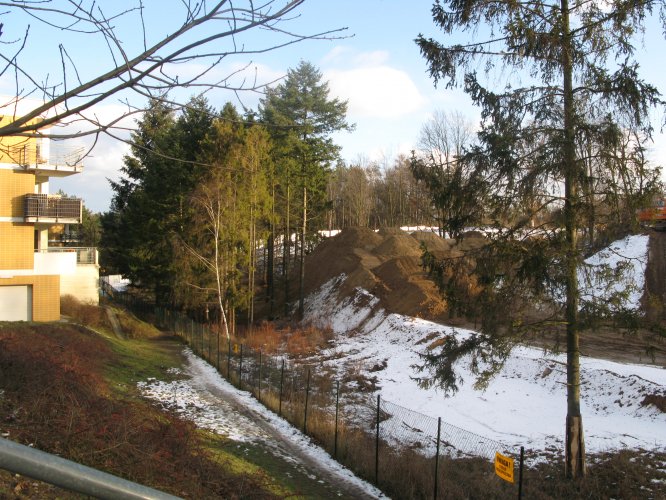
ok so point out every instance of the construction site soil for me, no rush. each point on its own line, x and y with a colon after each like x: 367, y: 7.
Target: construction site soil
x: 387, y: 263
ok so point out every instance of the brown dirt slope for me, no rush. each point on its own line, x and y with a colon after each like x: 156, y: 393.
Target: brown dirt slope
x: 387, y: 263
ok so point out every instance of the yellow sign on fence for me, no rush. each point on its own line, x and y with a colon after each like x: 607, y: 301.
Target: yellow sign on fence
x: 504, y: 467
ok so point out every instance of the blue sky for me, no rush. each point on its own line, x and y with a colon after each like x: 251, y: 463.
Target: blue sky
x: 376, y: 67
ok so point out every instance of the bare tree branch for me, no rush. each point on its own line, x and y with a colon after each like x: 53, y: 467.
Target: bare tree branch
x: 208, y: 35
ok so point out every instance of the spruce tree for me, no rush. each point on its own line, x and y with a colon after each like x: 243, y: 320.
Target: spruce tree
x: 568, y: 69
x: 150, y: 200
x: 301, y: 117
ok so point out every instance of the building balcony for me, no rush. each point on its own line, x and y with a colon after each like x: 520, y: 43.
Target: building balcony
x: 52, y: 209
x: 47, y: 158
x: 62, y: 260
x: 78, y: 269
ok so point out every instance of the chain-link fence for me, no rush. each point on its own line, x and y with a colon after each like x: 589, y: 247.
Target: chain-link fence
x: 405, y: 453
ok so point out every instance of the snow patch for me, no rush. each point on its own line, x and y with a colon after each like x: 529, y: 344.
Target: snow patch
x: 194, y: 399
x: 525, y: 405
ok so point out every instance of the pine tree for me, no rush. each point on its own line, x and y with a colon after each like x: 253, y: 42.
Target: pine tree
x: 301, y: 117
x: 150, y: 200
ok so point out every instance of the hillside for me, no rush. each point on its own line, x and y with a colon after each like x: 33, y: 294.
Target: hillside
x: 387, y: 264
x: 384, y: 329
x: 73, y: 391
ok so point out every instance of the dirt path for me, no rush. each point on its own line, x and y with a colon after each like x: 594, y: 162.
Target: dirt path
x: 244, y: 417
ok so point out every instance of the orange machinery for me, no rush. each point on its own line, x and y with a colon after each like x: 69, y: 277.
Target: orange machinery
x: 654, y: 216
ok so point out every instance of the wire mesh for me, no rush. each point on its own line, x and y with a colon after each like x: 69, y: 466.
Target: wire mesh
x: 388, y: 444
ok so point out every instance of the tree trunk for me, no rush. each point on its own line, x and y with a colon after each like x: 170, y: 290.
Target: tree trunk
x: 301, y: 283
x: 575, y: 446
x: 218, y: 265
x: 285, y: 256
x: 270, y: 269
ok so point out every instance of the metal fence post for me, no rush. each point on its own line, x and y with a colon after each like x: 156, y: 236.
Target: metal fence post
x: 377, y: 444
x: 439, y: 436
x: 307, y: 395
x: 194, y: 342
x: 337, y: 407
x: 229, y: 361
x: 210, y: 347
x: 203, y: 347
x: 217, y: 334
x: 240, y: 369
x: 281, y: 386
x: 259, y: 384
x: 520, y: 473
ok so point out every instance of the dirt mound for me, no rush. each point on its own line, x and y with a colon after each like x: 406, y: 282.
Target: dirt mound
x: 397, y: 245
x: 387, y: 263
x: 349, y: 253
x: 472, y: 240
x: 404, y: 288
x: 358, y: 237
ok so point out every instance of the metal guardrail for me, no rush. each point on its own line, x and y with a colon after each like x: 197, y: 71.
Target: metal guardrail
x: 64, y: 473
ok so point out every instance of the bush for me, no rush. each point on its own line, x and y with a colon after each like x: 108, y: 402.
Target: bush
x: 86, y: 314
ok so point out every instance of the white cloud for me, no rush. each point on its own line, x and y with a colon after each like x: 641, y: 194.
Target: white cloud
x: 338, y: 53
x: 375, y: 91
x: 92, y: 184
x: 346, y: 55
x: 374, y: 58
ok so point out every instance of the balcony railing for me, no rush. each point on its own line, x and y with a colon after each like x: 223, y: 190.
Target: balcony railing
x: 53, y: 209
x: 53, y: 158
x: 84, y: 255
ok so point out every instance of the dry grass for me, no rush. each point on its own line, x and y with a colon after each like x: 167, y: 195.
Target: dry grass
x: 86, y: 314
x: 297, y: 341
x: 96, y: 317
x: 134, y: 328
x: 55, y: 396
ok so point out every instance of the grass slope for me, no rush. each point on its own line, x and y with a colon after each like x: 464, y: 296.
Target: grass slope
x: 71, y: 390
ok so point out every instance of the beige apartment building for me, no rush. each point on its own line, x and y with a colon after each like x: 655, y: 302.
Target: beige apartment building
x: 33, y: 276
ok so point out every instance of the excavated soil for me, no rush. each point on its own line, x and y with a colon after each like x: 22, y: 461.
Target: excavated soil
x: 387, y: 263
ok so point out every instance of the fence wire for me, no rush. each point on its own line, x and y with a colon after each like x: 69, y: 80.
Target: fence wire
x: 402, y: 427
x: 392, y: 446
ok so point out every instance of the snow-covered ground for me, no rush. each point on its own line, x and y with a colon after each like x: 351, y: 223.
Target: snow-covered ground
x: 631, y: 253
x: 208, y: 400
x: 526, y: 403
x: 117, y: 282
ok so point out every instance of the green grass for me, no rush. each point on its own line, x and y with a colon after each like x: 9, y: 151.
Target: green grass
x: 72, y: 390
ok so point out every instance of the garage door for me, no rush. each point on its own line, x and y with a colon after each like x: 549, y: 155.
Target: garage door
x: 16, y: 303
